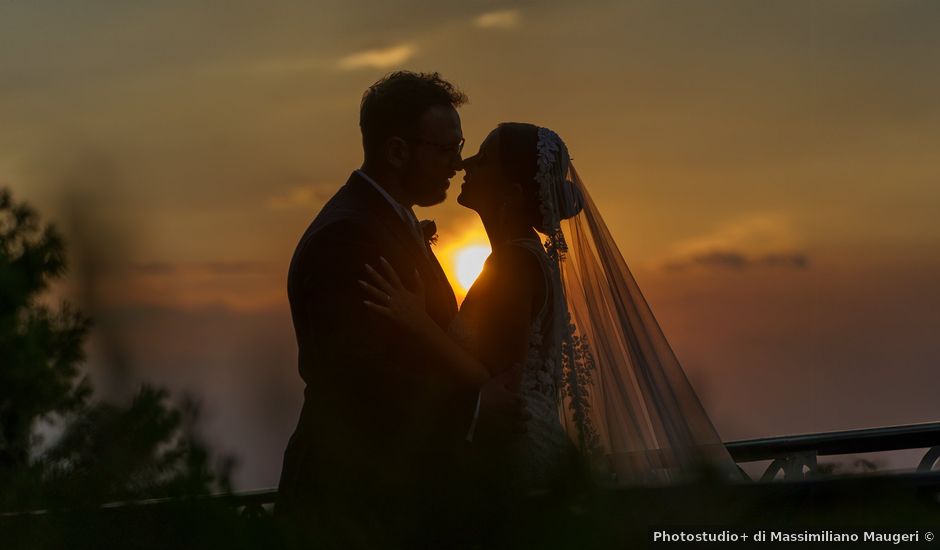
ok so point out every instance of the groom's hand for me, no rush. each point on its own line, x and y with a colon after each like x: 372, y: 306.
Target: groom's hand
x: 503, y: 414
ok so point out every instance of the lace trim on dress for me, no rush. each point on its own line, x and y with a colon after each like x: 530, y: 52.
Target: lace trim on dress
x: 541, y: 373
x: 567, y: 363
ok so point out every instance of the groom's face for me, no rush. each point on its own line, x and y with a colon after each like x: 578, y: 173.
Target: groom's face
x: 434, y: 156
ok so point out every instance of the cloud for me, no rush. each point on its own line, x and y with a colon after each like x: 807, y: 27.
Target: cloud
x: 296, y: 197
x: 718, y: 258
x: 242, y: 285
x: 382, y: 58
x: 756, y: 240
x: 502, y: 20
x: 795, y: 259
x: 286, y: 65
x: 154, y: 268
x: 752, y: 233
x: 737, y: 260
x: 203, y: 268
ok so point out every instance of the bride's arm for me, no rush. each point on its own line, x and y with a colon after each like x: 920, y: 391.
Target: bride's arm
x: 504, y: 297
x: 391, y: 299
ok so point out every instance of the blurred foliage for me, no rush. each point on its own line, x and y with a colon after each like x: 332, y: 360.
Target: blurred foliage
x: 106, y: 451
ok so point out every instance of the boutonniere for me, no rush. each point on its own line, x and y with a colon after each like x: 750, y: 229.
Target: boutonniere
x: 429, y: 231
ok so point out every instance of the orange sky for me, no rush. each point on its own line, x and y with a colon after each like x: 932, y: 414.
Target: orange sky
x: 768, y: 169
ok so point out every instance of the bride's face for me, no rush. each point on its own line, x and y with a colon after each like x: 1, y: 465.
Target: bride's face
x: 483, y: 182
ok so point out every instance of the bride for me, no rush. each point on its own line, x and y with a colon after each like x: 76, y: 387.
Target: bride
x: 597, y: 375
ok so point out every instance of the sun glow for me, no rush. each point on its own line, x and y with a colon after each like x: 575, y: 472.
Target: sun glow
x: 468, y: 264
x: 462, y: 249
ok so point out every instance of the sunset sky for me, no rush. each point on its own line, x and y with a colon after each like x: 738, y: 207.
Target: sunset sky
x: 769, y: 169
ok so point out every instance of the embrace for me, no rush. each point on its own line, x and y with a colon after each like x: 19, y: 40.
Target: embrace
x: 425, y: 426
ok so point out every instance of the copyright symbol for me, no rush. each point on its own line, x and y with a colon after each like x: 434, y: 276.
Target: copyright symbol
x: 928, y: 536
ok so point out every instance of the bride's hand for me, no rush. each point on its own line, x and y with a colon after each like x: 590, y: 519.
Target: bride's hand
x: 390, y: 298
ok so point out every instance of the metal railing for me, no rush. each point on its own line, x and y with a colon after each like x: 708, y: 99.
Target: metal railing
x: 792, y: 453
x: 789, y: 454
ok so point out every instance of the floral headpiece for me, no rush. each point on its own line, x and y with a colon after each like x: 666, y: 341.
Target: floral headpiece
x: 559, y: 198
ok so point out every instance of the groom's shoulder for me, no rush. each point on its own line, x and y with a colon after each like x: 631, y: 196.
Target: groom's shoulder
x: 341, y: 220
x: 349, y: 205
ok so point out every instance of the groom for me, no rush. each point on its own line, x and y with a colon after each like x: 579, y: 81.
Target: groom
x: 372, y: 460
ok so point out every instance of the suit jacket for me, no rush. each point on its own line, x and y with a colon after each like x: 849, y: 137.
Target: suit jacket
x: 378, y: 420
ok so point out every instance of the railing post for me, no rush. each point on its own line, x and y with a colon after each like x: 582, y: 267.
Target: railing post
x: 253, y: 510
x: 792, y: 465
x: 930, y: 459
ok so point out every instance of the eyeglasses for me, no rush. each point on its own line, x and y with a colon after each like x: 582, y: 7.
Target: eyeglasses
x: 453, y: 150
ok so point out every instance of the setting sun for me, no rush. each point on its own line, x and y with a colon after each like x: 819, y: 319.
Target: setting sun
x: 468, y: 262
x: 462, y: 252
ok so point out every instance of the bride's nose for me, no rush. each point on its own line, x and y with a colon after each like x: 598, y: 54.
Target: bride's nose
x: 467, y: 163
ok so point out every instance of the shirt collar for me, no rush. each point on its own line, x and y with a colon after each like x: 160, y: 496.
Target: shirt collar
x: 406, y: 213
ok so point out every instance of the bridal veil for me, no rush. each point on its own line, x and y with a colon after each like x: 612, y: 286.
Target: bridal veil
x: 625, y: 400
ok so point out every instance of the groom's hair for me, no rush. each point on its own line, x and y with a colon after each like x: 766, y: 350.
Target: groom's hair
x: 393, y: 105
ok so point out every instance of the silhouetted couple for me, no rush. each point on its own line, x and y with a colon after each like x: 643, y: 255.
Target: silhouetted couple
x: 427, y: 426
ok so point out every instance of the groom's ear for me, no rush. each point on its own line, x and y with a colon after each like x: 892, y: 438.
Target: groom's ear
x: 396, y: 151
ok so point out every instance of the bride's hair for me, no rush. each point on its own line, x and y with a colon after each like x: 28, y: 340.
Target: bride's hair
x: 519, y: 153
